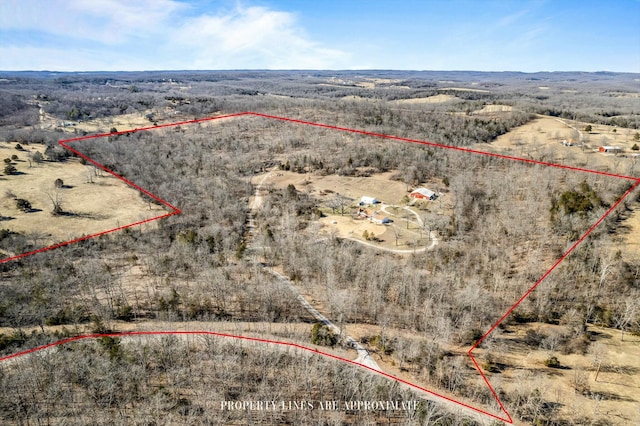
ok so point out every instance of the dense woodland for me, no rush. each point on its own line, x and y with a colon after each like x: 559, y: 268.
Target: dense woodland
x: 509, y: 225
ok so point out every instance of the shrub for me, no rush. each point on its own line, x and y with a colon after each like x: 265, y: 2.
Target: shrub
x: 470, y: 337
x: 10, y: 169
x: 37, y: 157
x: 124, y: 313
x: 23, y: 205
x: 322, y: 335
x: 4, y: 233
x: 384, y: 345
x: 552, y: 362
x: 14, y: 157
x: 580, y: 382
x: 490, y: 365
x: 635, y: 147
x: 19, y: 147
x: 58, y: 183
x: 111, y: 345
x: 582, y: 201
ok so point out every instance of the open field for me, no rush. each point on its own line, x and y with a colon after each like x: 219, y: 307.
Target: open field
x: 628, y: 240
x: 121, y: 122
x: 380, y: 186
x: 92, y: 201
x: 542, y: 139
x: 435, y: 99
x: 493, y: 109
x: 464, y: 89
x: 613, y: 398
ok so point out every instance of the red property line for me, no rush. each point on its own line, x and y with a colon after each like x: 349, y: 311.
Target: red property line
x: 175, y: 210
x: 247, y: 338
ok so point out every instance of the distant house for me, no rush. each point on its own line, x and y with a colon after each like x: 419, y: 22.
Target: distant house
x: 375, y: 217
x: 379, y: 219
x: 424, y: 193
x: 610, y: 149
x: 368, y: 200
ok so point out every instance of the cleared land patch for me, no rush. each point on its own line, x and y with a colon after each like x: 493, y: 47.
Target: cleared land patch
x: 542, y: 138
x: 91, y: 200
x: 405, y: 230
x: 598, y: 379
x: 435, y: 99
x: 492, y: 109
x: 465, y: 89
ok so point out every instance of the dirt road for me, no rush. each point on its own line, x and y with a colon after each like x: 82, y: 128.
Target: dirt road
x: 364, y: 357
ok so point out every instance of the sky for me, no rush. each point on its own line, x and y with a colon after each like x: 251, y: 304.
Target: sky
x: 482, y: 35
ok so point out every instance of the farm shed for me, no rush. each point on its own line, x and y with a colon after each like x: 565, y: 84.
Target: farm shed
x: 424, y: 193
x: 368, y: 200
x: 610, y: 149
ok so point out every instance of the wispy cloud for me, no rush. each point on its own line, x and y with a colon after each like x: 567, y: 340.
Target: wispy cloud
x: 153, y: 34
x: 253, y: 36
x: 102, y: 21
x: 511, y: 18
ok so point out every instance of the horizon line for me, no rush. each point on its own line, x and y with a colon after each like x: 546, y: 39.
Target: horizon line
x: 320, y: 70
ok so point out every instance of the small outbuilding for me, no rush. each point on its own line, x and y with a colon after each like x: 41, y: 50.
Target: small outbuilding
x: 424, y: 193
x: 368, y: 200
x: 610, y: 149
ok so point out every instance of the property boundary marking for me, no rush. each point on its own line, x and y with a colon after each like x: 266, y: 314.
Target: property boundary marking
x: 174, y: 211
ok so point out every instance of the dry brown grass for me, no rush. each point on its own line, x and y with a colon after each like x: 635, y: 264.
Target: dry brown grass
x: 428, y: 100
x: 542, y: 139
x: 614, y: 398
x: 465, y: 89
x: 89, y: 207
x: 492, y: 109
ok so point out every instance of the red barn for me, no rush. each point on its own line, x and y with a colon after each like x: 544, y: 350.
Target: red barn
x: 424, y: 193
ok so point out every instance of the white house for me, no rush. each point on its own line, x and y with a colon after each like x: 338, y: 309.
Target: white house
x: 379, y: 219
x: 368, y: 200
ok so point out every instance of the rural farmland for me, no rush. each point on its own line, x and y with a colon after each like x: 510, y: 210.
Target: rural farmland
x: 374, y: 229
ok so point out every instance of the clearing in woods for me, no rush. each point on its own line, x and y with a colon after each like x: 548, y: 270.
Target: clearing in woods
x: 91, y: 200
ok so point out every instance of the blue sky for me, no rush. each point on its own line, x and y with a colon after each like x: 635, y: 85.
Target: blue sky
x: 484, y: 35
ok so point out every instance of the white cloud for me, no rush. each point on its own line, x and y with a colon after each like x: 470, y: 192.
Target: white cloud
x: 155, y: 34
x: 103, y: 21
x: 253, y: 37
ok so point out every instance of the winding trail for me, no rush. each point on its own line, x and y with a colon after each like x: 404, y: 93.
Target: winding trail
x: 580, y: 135
x: 364, y: 357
